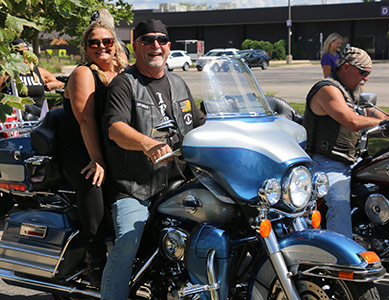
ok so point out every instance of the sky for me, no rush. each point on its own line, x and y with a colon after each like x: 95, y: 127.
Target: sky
x: 154, y: 4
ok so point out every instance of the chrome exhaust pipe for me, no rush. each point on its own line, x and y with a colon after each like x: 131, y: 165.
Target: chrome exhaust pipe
x: 46, y: 286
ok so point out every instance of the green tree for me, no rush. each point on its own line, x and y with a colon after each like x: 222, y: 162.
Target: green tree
x: 279, y: 50
x: 247, y: 44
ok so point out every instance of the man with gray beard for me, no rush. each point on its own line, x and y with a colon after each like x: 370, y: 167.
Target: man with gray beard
x: 333, y: 122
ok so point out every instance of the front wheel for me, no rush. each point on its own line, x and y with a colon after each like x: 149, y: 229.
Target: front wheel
x: 324, y: 288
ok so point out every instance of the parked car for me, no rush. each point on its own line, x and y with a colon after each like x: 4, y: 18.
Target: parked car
x: 178, y: 60
x: 213, y: 54
x: 254, y: 58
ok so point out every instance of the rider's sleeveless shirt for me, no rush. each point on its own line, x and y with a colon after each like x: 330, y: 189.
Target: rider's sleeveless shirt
x: 325, y: 135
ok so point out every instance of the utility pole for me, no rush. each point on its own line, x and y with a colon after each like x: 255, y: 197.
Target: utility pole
x: 289, y: 57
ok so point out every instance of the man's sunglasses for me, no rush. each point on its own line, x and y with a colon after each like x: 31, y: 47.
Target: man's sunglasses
x: 150, y: 39
x: 362, y: 71
x: 95, y: 43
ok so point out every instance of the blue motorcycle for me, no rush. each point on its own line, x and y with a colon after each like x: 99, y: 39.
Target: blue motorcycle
x: 237, y: 228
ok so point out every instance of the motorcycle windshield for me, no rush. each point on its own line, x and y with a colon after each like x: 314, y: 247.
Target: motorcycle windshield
x: 230, y: 90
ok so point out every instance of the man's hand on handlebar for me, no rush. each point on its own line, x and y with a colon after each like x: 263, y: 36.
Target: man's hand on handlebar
x: 158, y: 150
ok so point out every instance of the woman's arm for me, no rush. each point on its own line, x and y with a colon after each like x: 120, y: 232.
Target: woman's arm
x: 80, y: 89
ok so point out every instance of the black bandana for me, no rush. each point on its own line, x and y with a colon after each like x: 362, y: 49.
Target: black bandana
x: 148, y: 26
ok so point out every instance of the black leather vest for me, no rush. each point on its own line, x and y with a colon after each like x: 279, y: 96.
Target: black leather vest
x: 134, y: 175
x: 325, y: 135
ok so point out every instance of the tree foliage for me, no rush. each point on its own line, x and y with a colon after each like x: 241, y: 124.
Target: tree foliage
x: 29, y: 19
x: 276, y: 50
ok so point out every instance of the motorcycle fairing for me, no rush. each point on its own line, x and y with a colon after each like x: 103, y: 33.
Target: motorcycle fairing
x: 205, y: 237
x: 242, y: 153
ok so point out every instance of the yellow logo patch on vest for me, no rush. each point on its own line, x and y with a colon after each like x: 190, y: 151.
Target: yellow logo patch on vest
x: 185, y: 106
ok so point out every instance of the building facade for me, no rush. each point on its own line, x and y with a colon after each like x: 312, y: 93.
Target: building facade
x: 364, y: 25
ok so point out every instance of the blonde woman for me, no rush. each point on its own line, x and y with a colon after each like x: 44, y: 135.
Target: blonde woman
x: 330, y: 53
x: 80, y: 154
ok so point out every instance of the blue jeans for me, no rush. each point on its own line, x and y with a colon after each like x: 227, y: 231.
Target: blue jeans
x: 338, y: 196
x: 129, y: 216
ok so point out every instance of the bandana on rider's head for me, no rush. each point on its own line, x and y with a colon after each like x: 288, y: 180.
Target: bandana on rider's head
x: 19, y: 45
x: 356, y: 57
x: 148, y: 26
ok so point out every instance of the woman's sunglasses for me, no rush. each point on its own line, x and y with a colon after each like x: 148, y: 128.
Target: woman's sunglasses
x: 95, y: 43
x: 150, y: 39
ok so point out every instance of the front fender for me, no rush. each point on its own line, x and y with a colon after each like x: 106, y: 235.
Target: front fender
x: 322, y: 251
x: 318, y: 253
x: 321, y: 247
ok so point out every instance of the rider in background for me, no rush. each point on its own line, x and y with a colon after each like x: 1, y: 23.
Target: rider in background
x: 38, y: 80
x: 79, y: 152
x: 333, y: 125
x: 330, y: 53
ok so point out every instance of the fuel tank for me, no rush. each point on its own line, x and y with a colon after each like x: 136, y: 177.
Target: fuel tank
x: 376, y: 171
x: 241, y: 153
x: 194, y: 202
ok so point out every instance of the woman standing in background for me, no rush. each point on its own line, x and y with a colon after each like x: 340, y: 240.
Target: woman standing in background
x: 330, y: 53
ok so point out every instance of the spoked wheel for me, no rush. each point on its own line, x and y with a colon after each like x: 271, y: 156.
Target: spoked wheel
x: 315, y: 288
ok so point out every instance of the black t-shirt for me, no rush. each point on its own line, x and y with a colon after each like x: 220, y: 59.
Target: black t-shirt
x: 121, y: 111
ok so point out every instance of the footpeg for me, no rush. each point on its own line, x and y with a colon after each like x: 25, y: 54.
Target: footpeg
x: 195, y: 289
x: 212, y: 285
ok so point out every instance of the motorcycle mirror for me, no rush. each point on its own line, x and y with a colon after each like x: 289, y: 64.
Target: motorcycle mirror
x: 164, y: 129
x: 367, y: 99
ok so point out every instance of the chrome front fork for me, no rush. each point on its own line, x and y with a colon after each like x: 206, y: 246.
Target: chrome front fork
x: 283, y: 274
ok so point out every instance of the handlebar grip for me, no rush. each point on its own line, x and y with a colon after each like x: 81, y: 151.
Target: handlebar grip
x: 168, y: 155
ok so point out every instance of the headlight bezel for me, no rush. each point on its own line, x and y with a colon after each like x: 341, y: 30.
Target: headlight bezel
x: 318, y: 179
x: 288, y: 195
x: 270, y: 192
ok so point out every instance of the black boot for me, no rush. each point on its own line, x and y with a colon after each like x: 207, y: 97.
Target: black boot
x: 97, y: 253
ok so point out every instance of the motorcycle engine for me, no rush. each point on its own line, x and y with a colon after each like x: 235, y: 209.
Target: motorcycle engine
x: 377, y: 208
x: 173, y: 243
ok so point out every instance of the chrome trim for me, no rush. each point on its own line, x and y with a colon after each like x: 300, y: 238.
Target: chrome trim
x: 64, y: 250
x: 145, y: 266
x: 280, y: 267
x: 211, y: 274
x: 15, y: 262
x: 25, y: 229
x: 44, y: 286
x: 7, y: 247
x: 363, y: 275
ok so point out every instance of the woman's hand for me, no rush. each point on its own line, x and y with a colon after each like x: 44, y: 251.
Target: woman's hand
x: 99, y: 172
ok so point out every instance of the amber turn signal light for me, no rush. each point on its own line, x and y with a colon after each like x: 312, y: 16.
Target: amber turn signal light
x: 370, y: 256
x: 265, y: 228
x: 316, y: 219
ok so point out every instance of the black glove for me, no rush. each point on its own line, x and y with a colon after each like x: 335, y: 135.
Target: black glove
x: 385, y: 127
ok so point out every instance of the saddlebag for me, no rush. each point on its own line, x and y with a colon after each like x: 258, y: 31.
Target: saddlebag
x: 23, y: 171
x: 42, y: 243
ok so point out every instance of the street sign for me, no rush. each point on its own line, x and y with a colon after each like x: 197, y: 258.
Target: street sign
x: 384, y: 10
x: 288, y: 23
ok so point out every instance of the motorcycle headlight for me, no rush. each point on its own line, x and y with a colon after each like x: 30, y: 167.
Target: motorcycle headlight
x: 320, y: 184
x: 297, y: 187
x: 270, y: 191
